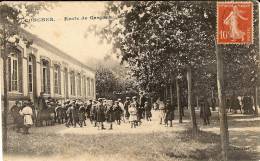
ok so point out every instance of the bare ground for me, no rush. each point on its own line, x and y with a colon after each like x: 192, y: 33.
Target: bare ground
x: 150, y: 141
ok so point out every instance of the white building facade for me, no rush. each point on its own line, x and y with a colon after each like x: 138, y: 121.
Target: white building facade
x: 44, y: 68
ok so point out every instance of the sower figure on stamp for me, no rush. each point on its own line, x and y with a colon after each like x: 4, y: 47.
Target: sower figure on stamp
x: 205, y: 112
x: 169, y: 113
x: 27, y: 113
x: 18, y: 119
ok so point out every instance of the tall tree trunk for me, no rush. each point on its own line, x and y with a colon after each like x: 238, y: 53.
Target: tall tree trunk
x: 5, y: 112
x: 171, y: 93
x: 222, y: 109
x: 197, y: 101
x: 190, y: 107
x: 178, y: 100
x: 256, y: 100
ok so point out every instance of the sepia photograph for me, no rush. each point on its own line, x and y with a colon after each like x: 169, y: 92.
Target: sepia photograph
x: 130, y: 80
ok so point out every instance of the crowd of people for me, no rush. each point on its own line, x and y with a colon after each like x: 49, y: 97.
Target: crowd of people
x: 76, y: 112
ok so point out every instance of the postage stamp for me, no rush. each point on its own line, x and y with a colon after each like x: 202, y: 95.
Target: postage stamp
x: 234, y: 22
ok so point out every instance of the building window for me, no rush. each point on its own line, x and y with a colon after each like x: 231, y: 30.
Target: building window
x: 57, y: 79
x: 30, y: 73
x: 13, y: 74
x: 92, y: 87
x: 45, y: 76
x: 66, y: 82
x: 88, y: 86
x: 79, y: 84
x: 72, y: 83
x: 83, y: 86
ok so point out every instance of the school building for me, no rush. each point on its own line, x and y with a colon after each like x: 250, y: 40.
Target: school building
x: 42, y: 67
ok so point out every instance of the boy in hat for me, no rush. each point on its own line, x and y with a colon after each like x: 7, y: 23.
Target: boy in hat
x: 110, y: 114
x: 117, y: 112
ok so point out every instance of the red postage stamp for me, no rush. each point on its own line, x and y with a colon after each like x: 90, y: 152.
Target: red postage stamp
x: 234, y: 22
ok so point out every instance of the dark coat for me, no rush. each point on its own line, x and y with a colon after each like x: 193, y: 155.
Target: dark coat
x: 204, y: 110
x: 117, y: 112
x: 18, y: 119
x: 235, y: 105
x: 100, y: 110
x: 110, y: 114
x: 126, y: 106
x: 169, y: 111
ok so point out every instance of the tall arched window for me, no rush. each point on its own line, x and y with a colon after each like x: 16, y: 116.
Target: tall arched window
x: 45, y: 76
x: 13, y: 77
x: 66, y: 79
x: 79, y: 84
x: 57, y: 79
x: 88, y: 86
x: 30, y: 72
x: 72, y: 83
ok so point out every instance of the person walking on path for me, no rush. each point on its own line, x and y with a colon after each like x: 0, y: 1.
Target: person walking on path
x: 133, y: 115
x: 169, y: 113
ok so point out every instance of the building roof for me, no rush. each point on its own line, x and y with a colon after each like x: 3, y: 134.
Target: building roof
x: 53, y: 49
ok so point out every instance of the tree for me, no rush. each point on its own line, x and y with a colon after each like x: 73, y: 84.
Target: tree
x: 13, y: 17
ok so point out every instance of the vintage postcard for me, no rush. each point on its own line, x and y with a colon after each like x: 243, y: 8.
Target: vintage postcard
x: 129, y: 81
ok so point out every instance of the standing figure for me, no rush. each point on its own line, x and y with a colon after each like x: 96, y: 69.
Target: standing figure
x: 161, y: 110
x: 148, y: 113
x: 213, y: 104
x: 117, y: 112
x: 235, y: 104
x: 205, y: 112
x: 110, y: 114
x: 93, y: 113
x: 126, y: 106
x: 100, y: 114
x: 133, y: 115
x: 82, y: 116
x: 121, y: 105
x: 139, y: 111
x: 142, y: 103
x: 247, y: 105
x: 27, y: 114
x: 169, y: 113
x: 18, y: 119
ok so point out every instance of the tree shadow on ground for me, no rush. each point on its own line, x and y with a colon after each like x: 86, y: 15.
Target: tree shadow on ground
x: 213, y: 151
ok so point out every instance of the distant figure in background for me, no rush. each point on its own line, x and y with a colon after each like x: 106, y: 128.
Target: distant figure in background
x: 247, y: 103
x: 41, y: 102
x: 137, y: 106
x: 148, y: 113
x: 205, y: 112
x: 126, y: 107
x: 213, y: 104
x: 117, y: 112
x: 142, y: 103
x: 235, y: 104
x: 133, y: 115
x: 161, y: 110
x: 100, y: 110
x: 27, y: 113
x: 121, y: 105
x: 110, y: 114
x: 169, y: 113
x: 18, y: 119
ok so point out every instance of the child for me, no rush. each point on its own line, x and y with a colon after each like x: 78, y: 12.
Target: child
x: 133, y: 115
x: 110, y: 114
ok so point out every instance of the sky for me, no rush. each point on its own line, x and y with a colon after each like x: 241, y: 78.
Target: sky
x: 70, y: 36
